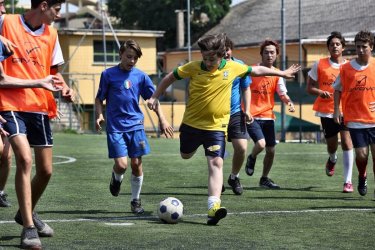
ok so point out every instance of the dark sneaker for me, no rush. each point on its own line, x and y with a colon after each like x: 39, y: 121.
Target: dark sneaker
x: 30, y: 238
x: 222, y: 189
x: 3, y: 200
x: 136, y: 206
x: 268, y: 183
x: 362, y: 185
x: 42, y: 228
x: 236, y: 185
x: 114, y: 186
x: 250, y: 165
x: 330, y: 167
x: 215, y: 214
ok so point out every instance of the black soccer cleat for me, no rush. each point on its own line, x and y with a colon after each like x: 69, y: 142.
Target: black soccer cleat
x: 362, y: 185
x: 114, y: 186
x: 250, y: 165
x: 236, y: 185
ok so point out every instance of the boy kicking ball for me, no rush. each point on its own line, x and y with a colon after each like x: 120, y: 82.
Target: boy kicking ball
x: 207, y: 112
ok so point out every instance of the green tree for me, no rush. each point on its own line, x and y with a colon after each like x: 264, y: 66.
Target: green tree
x: 8, y: 7
x: 160, y: 15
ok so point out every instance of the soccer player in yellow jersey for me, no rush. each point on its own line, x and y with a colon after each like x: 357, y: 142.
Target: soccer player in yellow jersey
x: 207, y: 112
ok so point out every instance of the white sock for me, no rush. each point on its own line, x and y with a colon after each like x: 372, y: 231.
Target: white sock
x: 136, y: 186
x: 212, y: 200
x: 118, y: 177
x: 233, y: 176
x: 348, y: 165
x: 333, y: 157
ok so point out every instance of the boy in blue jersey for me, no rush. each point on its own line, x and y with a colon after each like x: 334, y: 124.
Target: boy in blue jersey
x: 237, y: 133
x: 207, y: 112
x: 122, y: 86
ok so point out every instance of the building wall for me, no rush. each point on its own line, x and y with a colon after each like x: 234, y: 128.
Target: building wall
x: 85, y: 73
x: 251, y: 55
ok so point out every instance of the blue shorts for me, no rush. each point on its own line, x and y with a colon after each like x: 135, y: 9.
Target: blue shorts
x: 237, y: 127
x: 330, y: 127
x: 362, y: 137
x: 263, y: 129
x: 34, y: 125
x: 212, y: 141
x: 133, y: 144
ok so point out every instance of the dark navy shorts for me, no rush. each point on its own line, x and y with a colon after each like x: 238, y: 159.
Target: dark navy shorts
x: 133, y: 144
x: 212, y: 141
x: 330, y: 127
x: 362, y: 137
x: 237, y: 127
x: 263, y: 129
x: 34, y: 125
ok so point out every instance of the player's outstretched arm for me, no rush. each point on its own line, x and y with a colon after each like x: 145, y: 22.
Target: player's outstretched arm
x: 99, y: 114
x: 153, y: 102
x: 265, y: 71
x: 165, y: 127
x: 51, y: 83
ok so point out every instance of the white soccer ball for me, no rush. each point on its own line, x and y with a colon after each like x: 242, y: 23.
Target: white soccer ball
x: 170, y: 210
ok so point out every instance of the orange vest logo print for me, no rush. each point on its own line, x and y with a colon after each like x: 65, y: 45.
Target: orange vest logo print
x: 30, y: 49
x: 360, y: 84
x: 330, y: 81
x: 361, y: 81
x: 264, y: 88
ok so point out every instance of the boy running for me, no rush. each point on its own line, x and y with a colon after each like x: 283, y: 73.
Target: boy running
x: 207, y: 112
x: 319, y: 82
x: 262, y: 130
x: 121, y: 87
x: 355, y: 89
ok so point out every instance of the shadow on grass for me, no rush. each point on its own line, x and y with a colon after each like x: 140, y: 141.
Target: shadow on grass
x: 8, y: 238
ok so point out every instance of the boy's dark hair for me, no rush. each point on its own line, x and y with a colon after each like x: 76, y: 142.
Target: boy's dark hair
x: 131, y: 44
x: 336, y: 34
x: 365, y: 36
x: 229, y: 43
x: 268, y: 42
x: 35, y: 3
x: 215, y: 43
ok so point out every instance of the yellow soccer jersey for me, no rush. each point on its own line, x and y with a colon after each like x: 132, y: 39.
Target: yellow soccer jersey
x: 208, y: 107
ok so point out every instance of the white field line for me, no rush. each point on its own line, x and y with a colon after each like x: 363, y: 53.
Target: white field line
x: 153, y: 154
x: 364, y: 210
x: 66, y: 160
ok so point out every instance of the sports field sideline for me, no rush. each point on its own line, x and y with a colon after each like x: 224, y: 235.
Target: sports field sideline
x: 309, y: 212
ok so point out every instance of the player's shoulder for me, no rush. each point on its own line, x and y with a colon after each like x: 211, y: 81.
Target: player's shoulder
x: 237, y: 60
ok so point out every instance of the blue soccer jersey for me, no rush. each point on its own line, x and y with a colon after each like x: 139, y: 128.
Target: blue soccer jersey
x: 122, y: 89
x: 237, y: 85
x: 3, y: 54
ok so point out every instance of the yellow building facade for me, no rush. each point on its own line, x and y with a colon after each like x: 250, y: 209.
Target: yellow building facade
x: 84, y: 55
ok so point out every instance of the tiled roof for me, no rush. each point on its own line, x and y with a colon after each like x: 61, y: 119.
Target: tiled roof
x: 252, y: 21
